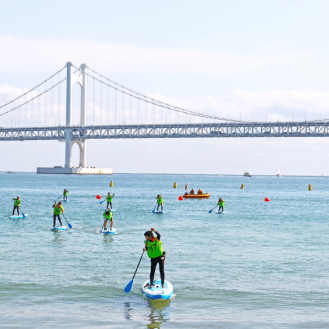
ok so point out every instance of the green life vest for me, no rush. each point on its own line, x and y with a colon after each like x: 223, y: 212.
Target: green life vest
x: 108, y: 217
x: 109, y: 198
x: 221, y: 203
x: 160, y: 200
x: 65, y: 193
x: 17, y: 202
x: 154, y: 249
x: 58, y: 210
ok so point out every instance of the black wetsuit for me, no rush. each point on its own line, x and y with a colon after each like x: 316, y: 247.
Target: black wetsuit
x: 155, y: 261
x: 58, y: 216
x: 59, y: 219
x: 16, y: 207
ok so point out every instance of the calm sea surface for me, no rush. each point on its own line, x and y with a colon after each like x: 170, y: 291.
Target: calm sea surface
x: 259, y: 265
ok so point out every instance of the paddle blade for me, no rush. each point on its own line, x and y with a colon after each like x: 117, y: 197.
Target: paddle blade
x: 210, y: 211
x: 129, y: 286
x: 69, y: 225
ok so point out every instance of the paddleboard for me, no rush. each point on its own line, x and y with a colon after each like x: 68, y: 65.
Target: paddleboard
x: 107, y: 231
x: 113, y: 210
x: 65, y: 200
x: 220, y: 212
x: 18, y: 216
x: 156, y: 291
x: 159, y: 212
x: 58, y: 228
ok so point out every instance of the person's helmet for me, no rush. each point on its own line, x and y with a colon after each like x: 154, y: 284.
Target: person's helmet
x: 18, y: 196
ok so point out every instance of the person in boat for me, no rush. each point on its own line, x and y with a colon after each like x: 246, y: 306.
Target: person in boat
x: 192, y: 191
x: 109, y: 200
x: 65, y: 193
x: 160, y: 202
x: 221, y: 203
x: 200, y: 191
x: 153, y: 246
x: 108, y: 215
x: 17, y: 204
x: 58, y: 210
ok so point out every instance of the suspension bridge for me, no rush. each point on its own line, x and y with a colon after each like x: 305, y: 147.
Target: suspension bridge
x: 55, y: 110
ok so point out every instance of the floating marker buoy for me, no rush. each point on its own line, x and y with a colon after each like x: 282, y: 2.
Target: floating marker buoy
x: 266, y: 199
x: 111, y: 184
x: 309, y: 187
x: 98, y: 196
x: 186, y: 186
x: 180, y: 198
x: 242, y: 186
x: 175, y: 185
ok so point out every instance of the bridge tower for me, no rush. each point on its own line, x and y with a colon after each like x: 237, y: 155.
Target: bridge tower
x: 68, y: 130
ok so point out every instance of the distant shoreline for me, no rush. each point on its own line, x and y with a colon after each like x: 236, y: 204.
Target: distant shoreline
x: 219, y: 175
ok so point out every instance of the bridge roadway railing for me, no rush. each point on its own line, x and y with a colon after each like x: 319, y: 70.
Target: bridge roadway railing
x: 206, y: 130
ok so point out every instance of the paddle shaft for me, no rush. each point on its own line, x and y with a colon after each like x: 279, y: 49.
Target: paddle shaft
x: 138, y: 264
x: 69, y: 225
x: 210, y: 211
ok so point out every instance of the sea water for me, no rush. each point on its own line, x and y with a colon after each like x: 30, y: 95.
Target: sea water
x: 259, y: 265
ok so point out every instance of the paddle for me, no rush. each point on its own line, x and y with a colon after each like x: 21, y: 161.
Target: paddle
x: 130, y: 284
x: 22, y: 213
x: 155, y: 207
x: 210, y: 211
x: 102, y: 201
x: 68, y: 224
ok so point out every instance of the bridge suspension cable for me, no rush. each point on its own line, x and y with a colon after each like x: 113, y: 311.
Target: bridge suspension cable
x: 14, y: 100
x: 150, y: 100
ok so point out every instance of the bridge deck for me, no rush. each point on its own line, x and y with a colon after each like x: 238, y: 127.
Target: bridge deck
x: 206, y: 130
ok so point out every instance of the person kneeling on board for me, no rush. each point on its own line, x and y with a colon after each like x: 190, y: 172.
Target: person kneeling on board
x: 221, y: 203
x: 109, y: 200
x: 153, y: 246
x: 108, y: 216
x: 17, y: 204
x: 160, y: 202
x: 58, y: 210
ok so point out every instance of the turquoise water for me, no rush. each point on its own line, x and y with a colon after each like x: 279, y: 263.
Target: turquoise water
x: 259, y: 265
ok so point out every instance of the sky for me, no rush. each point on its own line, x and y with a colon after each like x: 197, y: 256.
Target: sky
x: 255, y: 59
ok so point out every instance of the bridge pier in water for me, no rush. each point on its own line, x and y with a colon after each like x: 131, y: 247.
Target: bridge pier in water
x: 69, y: 140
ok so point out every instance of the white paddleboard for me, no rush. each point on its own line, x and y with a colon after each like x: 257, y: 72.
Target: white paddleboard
x: 18, y: 216
x: 113, y: 210
x: 156, y: 291
x: 219, y: 212
x: 158, y: 212
x: 108, y: 231
x: 58, y: 228
x: 65, y: 200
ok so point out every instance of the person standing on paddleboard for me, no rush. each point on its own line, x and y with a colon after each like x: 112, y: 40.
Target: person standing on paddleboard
x: 65, y: 193
x: 109, y: 200
x: 160, y: 202
x: 58, y: 210
x: 108, y: 215
x: 221, y: 203
x: 153, y: 246
x: 17, y: 204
